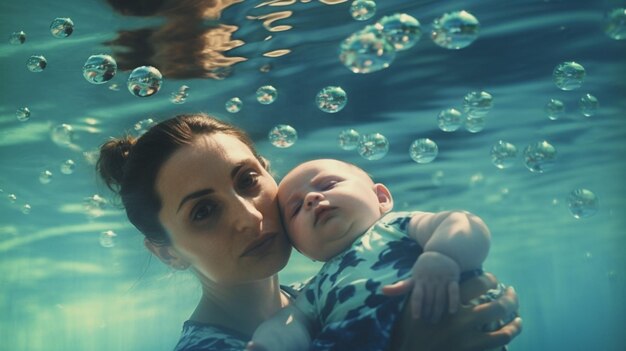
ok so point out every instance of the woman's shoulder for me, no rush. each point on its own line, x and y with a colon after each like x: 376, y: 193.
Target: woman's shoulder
x: 204, y: 336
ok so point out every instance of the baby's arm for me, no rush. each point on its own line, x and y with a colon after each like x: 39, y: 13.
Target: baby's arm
x: 288, y: 330
x: 453, y: 242
x: 461, y: 236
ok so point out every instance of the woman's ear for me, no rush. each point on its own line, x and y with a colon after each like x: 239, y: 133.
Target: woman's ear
x: 385, y: 201
x: 167, y: 254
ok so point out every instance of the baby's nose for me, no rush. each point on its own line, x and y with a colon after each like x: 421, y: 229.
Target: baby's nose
x: 312, y: 199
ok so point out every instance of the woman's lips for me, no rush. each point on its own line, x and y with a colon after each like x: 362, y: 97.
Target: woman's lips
x: 259, y: 246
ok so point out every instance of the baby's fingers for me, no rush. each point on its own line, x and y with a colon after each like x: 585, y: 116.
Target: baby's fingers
x: 400, y: 288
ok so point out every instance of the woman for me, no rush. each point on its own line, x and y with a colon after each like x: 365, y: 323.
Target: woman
x: 201, y: 194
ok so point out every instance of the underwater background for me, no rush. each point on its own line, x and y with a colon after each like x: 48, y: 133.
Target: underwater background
x: 74, y: 274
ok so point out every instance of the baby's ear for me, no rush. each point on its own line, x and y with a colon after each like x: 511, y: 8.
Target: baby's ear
x: 385, y: 201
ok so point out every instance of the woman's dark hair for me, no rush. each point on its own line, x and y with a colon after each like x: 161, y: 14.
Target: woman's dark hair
x: 136, y: 7
x: 129, y: 166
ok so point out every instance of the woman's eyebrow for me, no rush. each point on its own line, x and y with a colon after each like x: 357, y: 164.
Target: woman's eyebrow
x: 194, y: 195
x: 203, y: 192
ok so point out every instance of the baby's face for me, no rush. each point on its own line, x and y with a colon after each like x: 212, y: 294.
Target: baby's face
x: 325, y: 205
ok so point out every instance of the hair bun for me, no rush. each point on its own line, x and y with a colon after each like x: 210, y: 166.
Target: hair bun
x: 111, y: 163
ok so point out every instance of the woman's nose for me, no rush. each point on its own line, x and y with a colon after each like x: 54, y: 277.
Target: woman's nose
x: 311, y: 199
x: 246, y: 215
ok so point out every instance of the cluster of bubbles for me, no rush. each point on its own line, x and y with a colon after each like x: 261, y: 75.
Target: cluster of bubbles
x: 476, y: 105
x: 455, y: 30
x: 12, y: 198
x: 36, y: 63
x: 569, y: 76
x: 180, y: 96
x: 582, y: 203
x: 423, y: 150
x: 22, y: 114
x: 374, y: 47
x: 144, y: 81
x: 61, y: 27
x: 539, y: 157
x: 107, y: 239
x: 373, y: 146
x: 234, y: 105
x: 331, y: 99
x: 99, y: 69
x: 283, y: 136
x: 362, y: 10
x: 266, y: 94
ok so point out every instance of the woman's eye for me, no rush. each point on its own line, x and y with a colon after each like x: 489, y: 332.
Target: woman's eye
x: 249, y: 180
x: 202, y: 211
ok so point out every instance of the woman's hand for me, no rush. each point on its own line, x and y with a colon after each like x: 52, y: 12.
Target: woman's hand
x: 461, y: 331
x: 433, y: 287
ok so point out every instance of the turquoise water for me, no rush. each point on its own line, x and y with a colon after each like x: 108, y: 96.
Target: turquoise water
x: 64, y: 288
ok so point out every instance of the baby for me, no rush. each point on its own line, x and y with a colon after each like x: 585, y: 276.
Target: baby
x: 334, y: 212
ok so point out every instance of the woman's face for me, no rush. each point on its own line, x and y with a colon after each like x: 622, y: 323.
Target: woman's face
x: 220, y: 210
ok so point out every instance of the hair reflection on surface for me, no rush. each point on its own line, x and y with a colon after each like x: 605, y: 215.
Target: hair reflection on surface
x: 192, y: 42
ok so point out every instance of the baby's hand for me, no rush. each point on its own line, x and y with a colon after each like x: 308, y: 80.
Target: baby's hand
x: 435, y: 285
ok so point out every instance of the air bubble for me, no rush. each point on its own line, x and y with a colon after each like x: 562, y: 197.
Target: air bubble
x: 423, y: 150
x: 283, y: 136
x: 455, y: 30
x: 144, y: 81
x: 99, y: 69
x: 331, y: 99
x: 36, y: 63
x: 61, y: 27
x: 373, y: 146
x: 266, y: 94
x: 234, y: 105
x: 348, y: 139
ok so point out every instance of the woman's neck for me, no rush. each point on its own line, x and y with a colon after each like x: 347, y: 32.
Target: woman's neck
x: 241, y: 307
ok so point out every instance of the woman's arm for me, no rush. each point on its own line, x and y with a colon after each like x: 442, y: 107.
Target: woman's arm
x: 461, y: 331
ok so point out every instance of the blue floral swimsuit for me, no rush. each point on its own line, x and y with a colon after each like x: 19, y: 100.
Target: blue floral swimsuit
x: 344, y: 298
